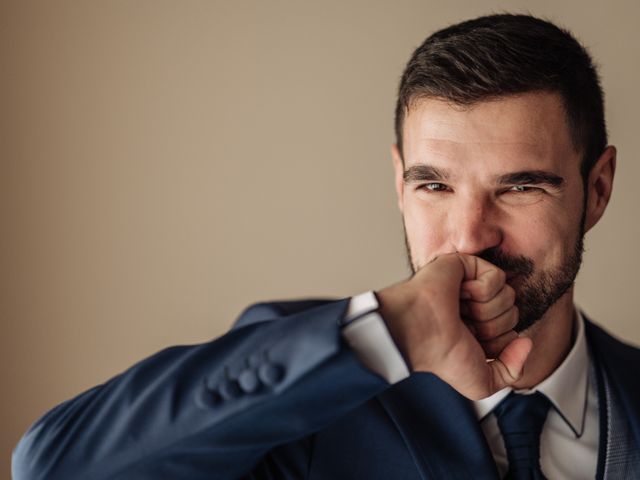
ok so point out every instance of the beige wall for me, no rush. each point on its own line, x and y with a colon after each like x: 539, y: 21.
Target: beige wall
x: 164, y: 163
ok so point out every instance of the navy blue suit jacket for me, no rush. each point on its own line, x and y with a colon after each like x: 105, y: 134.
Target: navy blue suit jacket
x: 278, y: 397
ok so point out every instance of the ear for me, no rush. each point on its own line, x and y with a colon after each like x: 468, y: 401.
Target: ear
x: 398, y: 168
x: 600, y: 186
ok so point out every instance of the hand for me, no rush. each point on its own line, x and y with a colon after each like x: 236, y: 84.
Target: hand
x: 424, y: 318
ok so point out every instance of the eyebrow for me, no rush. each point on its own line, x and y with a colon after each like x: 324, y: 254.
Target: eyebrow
x: 428, y: 173
x: 531, y: 177
x: 422, y: 172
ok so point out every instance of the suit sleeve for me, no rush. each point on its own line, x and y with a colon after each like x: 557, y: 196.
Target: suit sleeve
x: 209, y: 411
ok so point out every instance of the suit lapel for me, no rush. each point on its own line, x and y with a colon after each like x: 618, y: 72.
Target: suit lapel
x: 439, y: 428
x: 442, y: 433
x: 618, y: 397
x: 618, y: 362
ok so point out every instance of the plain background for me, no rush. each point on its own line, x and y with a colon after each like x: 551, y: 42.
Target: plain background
x: 166, y: 163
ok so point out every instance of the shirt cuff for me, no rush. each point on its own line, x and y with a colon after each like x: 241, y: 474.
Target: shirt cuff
x: 366, y: 333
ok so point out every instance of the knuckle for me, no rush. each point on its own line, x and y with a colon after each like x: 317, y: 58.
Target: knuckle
x: 505, y: 300
x: 483, y: 294
x: 478, y: 310
x: 511, y: 294
x: 516, y: 316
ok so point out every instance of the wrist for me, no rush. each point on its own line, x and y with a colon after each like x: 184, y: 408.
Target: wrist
x: 368, y: 336
x: 392, y: 308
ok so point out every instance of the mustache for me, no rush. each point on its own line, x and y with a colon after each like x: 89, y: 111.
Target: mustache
x: 511, y: 264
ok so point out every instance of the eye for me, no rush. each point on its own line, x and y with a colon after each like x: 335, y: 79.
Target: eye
x: 433, y: 187
x: 524, y: 189
x: 522, y: 195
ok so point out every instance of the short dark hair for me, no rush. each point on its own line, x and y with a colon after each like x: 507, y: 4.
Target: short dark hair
x: 499, y: 55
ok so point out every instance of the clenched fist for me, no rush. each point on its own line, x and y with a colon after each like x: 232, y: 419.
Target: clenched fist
x: 455, y: 318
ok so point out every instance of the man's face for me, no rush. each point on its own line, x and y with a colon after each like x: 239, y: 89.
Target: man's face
x: 500, y: 180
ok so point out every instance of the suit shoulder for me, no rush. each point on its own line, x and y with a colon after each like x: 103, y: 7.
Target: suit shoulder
x: 607, y: 343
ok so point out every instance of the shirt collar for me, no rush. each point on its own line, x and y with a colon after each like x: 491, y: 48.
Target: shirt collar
x: 566, y: 387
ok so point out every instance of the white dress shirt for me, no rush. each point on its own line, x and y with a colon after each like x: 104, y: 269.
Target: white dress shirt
x: 569, y: 439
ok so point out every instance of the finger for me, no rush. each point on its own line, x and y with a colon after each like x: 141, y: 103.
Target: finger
x: 452, y: 264
x: 490, y: 329
x: 482, y: 267
x: 493, y: 347
x: 508, y: 367
x: 470, y: 264
x: 502, y: 302
x: 475, y: 267
x: 485, y: 287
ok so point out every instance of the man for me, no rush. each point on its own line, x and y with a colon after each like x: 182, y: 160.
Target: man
x: 501, y: 166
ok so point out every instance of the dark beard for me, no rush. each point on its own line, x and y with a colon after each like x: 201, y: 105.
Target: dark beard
x: 536, y: 292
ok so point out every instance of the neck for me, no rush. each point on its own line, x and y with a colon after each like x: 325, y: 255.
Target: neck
x: 552, y: 338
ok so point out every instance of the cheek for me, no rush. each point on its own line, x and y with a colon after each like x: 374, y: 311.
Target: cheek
x: 425, y: 233
x: 546, y: 239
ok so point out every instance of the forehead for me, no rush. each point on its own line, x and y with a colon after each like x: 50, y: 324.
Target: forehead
x: 515, y: 132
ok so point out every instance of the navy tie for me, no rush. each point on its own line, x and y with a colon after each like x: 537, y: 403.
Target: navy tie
x: 520, y: 418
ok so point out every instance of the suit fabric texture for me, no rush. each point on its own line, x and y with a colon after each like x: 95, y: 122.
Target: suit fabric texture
x: 281, y: 396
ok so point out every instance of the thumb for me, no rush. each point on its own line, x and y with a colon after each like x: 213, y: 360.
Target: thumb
x: 507, y: 368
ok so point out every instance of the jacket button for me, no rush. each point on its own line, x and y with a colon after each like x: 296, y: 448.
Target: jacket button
x: 248, y: 381
x: 270, y: 373
x: 229, y: 389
